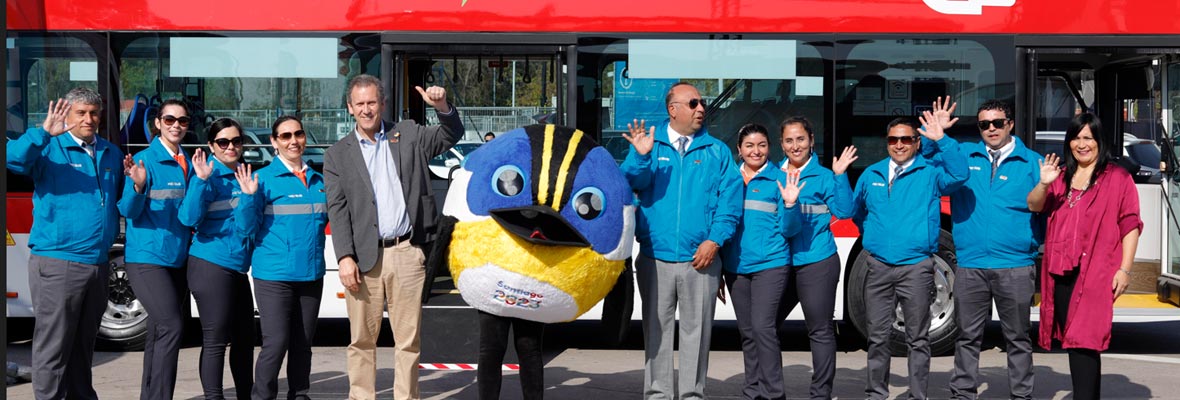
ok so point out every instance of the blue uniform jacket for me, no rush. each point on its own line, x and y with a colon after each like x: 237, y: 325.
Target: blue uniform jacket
x: 154, y: 233
x: 900, y: 224
x: 287, y: 222
x: 760, y: 241
x: 824, y: 195
x: 993, y: 226
x: 683, y: 201
x: 208, y: 207
x: 74, y: 195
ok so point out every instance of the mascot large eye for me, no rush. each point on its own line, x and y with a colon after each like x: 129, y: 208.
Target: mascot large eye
x: 508, y: 181
x: 588, y: 203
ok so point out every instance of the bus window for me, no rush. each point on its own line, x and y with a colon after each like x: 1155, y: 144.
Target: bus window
x: 41, y: 69
x: 879, y: 80
x: 495, y: 93
x: 251, y: 79
x: 734, y: 100
x: 1055, y: 103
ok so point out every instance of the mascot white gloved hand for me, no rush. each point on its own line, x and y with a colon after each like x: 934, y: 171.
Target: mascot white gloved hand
x: 543, y: 224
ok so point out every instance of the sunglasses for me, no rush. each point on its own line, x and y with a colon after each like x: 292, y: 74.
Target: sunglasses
x: 693, y: 103
x: 906, y: 140
x: 998, y: 123
x: 224, y: 143
x: 288, y: 135
x: 169, y: 120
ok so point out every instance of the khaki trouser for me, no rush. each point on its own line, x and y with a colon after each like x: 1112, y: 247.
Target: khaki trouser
x: 395, y: 281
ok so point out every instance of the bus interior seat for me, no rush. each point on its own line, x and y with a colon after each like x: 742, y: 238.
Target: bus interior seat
x: 134, y: 129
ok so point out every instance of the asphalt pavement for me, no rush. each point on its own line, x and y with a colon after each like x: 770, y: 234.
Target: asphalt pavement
x: 1140, y: 365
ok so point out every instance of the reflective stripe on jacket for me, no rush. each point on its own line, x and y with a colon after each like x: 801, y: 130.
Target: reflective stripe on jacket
x: 154, y: 233
x: 761, y: 239
x: 824, y: 194
x: 287, y: 222
x: 208, y: 207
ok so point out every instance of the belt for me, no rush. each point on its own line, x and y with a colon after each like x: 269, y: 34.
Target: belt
x: 394, y: 241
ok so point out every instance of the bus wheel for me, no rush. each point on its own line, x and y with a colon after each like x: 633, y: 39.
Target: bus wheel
x: 943, y: 327
x: 124, y: 323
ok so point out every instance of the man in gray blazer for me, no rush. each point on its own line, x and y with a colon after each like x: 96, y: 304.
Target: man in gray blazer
x: 382, y: 213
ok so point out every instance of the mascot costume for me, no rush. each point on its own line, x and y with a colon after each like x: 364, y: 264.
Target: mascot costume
x: 541, y: 222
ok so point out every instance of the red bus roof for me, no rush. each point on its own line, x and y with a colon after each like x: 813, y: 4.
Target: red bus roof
x: 730, y: 16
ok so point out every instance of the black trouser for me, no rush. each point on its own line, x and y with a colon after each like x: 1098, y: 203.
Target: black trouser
x: 493, y: 342
x: 1085, y: 365
x: 756, y: 299
x: 227, y: 316
x: 288, y: 312
x: 814, y: 287
x: 163, y: 292
x: 68, y: 302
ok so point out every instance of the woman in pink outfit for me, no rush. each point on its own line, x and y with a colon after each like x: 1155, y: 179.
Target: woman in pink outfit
x: 1090, y: 242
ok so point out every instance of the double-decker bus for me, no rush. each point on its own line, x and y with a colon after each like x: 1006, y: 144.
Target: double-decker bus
x: 848, y: 65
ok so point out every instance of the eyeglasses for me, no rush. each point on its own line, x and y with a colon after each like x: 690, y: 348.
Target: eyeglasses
x: 692, y: 104
x: 224, y: 143
x: 906, y: 140
x: 299, y: 134
x: 998, y: 123
x: 169, y: 120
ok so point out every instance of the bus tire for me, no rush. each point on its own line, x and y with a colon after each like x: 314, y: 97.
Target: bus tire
x: 944, y: 329
x: 124, y: 322
x: 618, y: 307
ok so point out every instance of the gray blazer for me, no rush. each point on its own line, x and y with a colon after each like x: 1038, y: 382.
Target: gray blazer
x: 352, y: 207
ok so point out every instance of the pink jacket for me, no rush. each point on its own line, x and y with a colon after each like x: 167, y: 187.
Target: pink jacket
x: 1112, y: 212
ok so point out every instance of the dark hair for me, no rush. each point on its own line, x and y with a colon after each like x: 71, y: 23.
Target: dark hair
x: 751, y: 129
x: 172, y: 102
x: 907, y: 121
x: 274, y: 128
x: 797, y: 119
x: 221, y: 124
x: 997, y: 105
x: 1076, y: 125
x: 493, y: 135
x: 668, y: 97
x: 365, y: 80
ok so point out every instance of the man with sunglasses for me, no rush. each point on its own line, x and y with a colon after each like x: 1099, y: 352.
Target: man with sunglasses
x: 383, y: 212
x: 995, y: 242
x: 690, y: 199
x: 897, y: 207
x: 76, y: 176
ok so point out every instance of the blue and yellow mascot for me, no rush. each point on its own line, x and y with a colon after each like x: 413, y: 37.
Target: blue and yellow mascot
x: 543, y: 223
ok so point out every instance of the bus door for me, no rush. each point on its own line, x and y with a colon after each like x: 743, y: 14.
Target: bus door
x: 1169, y: 281
x: 498, y: 83
x: 1123, y: 85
